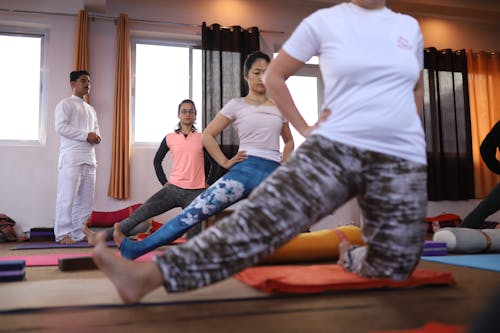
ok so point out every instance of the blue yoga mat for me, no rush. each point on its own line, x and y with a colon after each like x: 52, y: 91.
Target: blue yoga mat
x: 490, y: 261
x: 54, y: 245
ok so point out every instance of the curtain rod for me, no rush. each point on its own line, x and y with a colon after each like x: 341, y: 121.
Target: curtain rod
x: 111, y: 18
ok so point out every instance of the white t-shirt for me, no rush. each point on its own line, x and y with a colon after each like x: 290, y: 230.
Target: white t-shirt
x: 370, y: 61
x: 74, y: 119
x: 258, y: 127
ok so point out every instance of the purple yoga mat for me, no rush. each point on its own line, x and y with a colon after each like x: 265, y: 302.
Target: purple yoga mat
x: 53, y: 245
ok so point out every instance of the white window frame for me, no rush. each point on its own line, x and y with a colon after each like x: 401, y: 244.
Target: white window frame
x: 6, y: 30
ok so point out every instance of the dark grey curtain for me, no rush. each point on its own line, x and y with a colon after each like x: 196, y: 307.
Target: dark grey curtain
x: 447, y: 125
x: 224, y: 50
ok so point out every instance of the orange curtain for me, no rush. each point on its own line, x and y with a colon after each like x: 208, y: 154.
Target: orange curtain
x: 81, y: 57
x: 119, y: 184
x: 484, y: 97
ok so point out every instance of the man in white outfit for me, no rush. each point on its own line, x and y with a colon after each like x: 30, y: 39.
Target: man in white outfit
x: 76, y: 123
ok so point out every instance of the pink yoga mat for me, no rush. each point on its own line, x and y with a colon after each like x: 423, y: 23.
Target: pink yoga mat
x: 53, y: 259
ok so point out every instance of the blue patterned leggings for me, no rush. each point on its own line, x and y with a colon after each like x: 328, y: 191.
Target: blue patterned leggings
x: 235, y: 185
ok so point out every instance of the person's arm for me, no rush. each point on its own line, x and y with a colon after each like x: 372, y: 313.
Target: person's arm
x: 289, y: 145
x: 418, y: 92
x: 63, y: 126
x: 210, y: 133
x: 279, y: 70
x: 159, y: 156
x: 489, y: 148
x: 211, y: 168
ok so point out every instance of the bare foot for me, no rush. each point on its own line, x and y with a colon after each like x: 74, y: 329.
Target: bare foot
x: 435, y: 226
x: 343, y: 247
x: 118, y: 236
x: 67, y: 240
x: 133, y: 280
x: 89, y: 234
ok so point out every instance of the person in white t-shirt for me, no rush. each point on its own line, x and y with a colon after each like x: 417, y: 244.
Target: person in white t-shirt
x: 259, y: 125
x: 370, y: 146
x: 76, y: 123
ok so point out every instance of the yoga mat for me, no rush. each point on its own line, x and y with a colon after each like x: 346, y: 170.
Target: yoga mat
x: 431, y: 327
x: 490, y: 261
x: 53, y: 259
x: 321, y: 278
x: 54, y: 245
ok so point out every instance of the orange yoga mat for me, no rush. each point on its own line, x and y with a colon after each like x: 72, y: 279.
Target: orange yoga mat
x: 320, y: 278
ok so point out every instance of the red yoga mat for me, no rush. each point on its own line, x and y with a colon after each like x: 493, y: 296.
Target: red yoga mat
x: 431, y: 327
x: 320, y: 278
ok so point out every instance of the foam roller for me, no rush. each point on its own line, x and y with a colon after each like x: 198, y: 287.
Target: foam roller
x: 319, y: 245
x: 466, y: 240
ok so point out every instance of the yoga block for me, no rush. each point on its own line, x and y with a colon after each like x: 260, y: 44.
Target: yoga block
x: 42, y: 235
x: 76, y: 264
x: 434, y: 249
x: 12, y: 265
x: 10, y: 276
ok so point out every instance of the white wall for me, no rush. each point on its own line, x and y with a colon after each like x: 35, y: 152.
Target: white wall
x: 28, y: 174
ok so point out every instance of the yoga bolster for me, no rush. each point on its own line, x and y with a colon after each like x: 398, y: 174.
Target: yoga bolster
x: 466, y: 240
x: 108, y: 219
x: 315, y: 245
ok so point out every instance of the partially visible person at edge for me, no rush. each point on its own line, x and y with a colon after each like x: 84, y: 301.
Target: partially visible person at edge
x: 371, y: 146
x: 259, y: 125
x: 491, y: 203
x: 190, y: 161
x: 76, y: 123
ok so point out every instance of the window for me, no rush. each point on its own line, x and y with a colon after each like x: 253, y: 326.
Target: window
x: 306, y: 88
x: 165, y: 74
x: 20, y: 105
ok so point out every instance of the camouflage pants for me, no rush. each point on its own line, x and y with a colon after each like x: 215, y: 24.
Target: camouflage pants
x: 320, y: 177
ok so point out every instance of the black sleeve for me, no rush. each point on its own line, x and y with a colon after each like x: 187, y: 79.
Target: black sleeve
x: 159, y: 156
x: 489, y: 147
x: 211, y: 168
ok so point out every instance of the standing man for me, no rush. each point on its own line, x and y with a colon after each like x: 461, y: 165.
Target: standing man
x: 76, y: 123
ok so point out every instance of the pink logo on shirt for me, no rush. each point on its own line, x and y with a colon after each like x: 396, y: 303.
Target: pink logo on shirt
x: 404, y: 44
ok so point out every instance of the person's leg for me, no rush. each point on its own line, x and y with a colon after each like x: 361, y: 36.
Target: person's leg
x: 132, y: 280
x: 160, y: 202
x: 487, y: 207
x: 82, y: 207
x: 68, y: 181
x: 235, y: 185
x: 394, y: 204
x: 313, y: 183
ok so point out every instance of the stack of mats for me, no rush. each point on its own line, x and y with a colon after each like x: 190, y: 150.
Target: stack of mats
x: 12, y: 270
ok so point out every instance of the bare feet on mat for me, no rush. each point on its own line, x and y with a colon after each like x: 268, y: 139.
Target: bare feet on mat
x: 133, y: 280
x: 89, y: 234
x: 118, y: 236
x: 67, y: 240
x: 343, y: 247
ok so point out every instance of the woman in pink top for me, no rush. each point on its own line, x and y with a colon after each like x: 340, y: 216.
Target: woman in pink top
x: 259, y: 124
x: 187, y: 178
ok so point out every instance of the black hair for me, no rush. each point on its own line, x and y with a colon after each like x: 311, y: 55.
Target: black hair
x: 186, y: 101
x: 251, y: 58
x: 178, y: 128
x: 75, y: 75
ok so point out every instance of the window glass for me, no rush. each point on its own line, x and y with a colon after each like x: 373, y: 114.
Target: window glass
x: 20, y: 61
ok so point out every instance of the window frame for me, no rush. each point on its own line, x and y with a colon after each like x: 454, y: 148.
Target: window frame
x: 17, y: 31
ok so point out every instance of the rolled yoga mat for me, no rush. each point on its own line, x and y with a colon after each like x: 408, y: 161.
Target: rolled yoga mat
x: 466, y: 240
x: 316, y: 245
